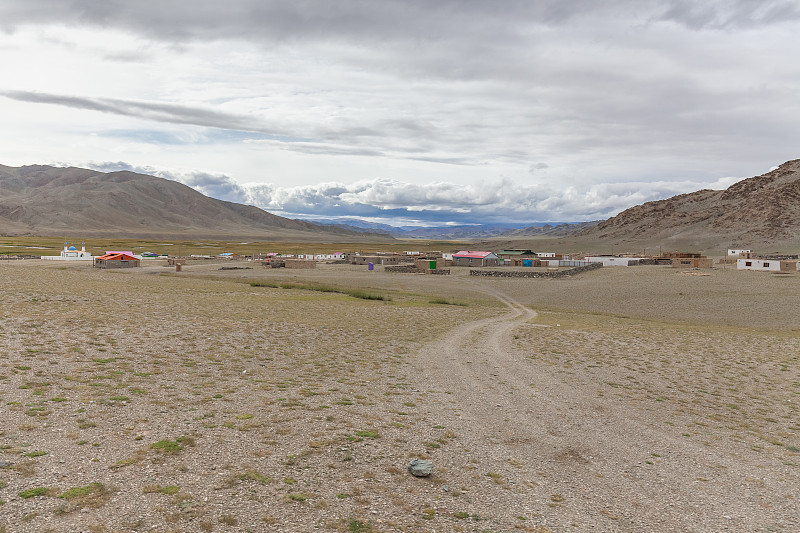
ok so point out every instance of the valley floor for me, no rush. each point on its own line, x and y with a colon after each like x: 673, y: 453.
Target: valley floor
x: 643, y: 399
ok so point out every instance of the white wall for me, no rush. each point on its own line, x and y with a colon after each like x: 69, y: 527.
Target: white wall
x: 758, y: 264
x: 614, y: 261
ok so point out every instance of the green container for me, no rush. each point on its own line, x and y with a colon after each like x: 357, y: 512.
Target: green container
x: 433, y: 265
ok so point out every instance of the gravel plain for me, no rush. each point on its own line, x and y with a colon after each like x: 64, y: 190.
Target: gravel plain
x: 641, y: 399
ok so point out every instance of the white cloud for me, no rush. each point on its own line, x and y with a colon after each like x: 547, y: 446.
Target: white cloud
x: 575, y: 108
x: 390, y: 201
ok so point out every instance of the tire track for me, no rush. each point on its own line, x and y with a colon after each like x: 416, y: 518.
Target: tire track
x: 594, y: 452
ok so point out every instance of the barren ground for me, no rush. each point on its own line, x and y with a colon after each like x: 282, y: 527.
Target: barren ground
x: 641, y: 399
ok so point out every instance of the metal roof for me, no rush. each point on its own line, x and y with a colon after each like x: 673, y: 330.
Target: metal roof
x: 517, y: 252
x: 117, y: 256
x: 473, y: 254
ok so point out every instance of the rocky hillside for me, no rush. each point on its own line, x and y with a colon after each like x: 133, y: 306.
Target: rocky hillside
x: 550, y: 230
x: 754, y: 213
x: 44, y: 200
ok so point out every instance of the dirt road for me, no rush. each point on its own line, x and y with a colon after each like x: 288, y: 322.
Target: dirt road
x: 576, y: 460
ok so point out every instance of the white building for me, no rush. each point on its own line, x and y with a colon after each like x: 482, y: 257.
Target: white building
x: 770, y: 265
x: 736, y: 253
x: 609, y: 260
x: 70, y: 253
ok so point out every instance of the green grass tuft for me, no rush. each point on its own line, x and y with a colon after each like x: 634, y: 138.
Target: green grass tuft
x: 167, y: 446
x: 32, y: 493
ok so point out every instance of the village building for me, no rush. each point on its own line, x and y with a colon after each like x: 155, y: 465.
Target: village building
x: 428, y: 264
x: 336, y: 256
x: 692, y: 262
x: 70, y: 253
x: 737, y: 252
x: 768, y: 264
x: 475, y: 258
x: 509, y: 254
x: 377, y: 259
x: 758, y: 264
x: 612, y: 260
x: 514, y: 257
x: 116, y: 260
x: 686, y: 260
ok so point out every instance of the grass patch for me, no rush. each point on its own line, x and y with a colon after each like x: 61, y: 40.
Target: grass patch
x: 357, y: 526
x: 33, y: 493
x: 168, y: 490
x: 270, y: 284
x: 446, y: 301
x: 34, y: 454
x: 167, y: 446
x: 355, y: 293
x: 81, y: 492
x: 252, y: 475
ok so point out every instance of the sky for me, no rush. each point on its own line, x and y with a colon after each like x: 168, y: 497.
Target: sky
x: 408, y: 111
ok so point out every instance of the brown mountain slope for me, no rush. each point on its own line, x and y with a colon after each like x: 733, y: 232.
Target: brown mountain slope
x: 44, y: 200
x: 548, y: 230
x: 758, y: 212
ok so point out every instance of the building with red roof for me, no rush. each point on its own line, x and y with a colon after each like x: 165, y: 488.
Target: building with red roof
x: 116, y: 260
x: 474, y: 258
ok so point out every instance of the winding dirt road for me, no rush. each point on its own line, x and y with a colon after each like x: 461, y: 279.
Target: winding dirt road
x: 575, y: 460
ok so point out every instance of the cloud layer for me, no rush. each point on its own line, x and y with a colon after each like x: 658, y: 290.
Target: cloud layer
x: 398, y: 203
x: 564, y: 109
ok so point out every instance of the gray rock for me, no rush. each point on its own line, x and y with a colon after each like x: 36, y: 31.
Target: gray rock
x: 420, y: 468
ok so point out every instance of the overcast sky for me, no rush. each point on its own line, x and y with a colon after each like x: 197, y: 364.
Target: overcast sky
x: 410, y: 110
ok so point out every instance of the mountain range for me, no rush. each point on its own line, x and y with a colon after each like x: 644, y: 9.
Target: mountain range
x: 45, y: 200
x: 757, y: 213
x: 452, y: 232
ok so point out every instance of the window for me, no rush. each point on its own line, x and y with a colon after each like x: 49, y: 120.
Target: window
x: 766, y: 265
x: 748, y: 263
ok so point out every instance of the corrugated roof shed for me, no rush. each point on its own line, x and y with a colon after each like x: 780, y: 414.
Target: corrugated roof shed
x: 473, y: 254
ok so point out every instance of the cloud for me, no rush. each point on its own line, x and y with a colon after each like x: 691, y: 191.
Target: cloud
x: 158, y: 112
x: 396, y: 202
x: 465, y: 107
x: 216, y: 186
x: 730, y: 14
x: 439, y: 203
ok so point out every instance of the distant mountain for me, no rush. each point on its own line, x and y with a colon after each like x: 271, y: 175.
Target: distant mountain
x: 356, y: 224
x: 456, y: 233
x: 758, y: 212
x: 45, y: 200
x: 461, y: 232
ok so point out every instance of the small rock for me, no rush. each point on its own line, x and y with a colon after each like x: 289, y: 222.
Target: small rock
x: 420, y: 468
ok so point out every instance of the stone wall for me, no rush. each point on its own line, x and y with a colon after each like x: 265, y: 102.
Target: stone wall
x: 300, y: 263
x: 534, y: 274
x: 411, y: 269
x: 646, y: 262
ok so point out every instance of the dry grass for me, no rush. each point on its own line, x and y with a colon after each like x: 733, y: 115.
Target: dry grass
x: 186, y: 401
x: 150, y: 383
